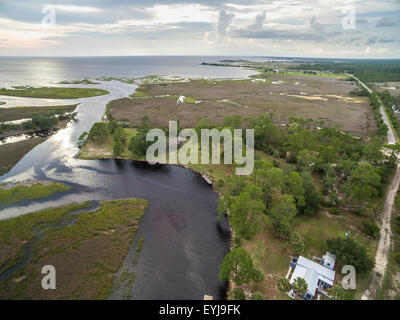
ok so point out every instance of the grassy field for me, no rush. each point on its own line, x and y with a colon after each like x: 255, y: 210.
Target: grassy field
x: 16, y: 113
x: 14, y: 194
x: 86, y: 254
x: 302, y: 74
x: 283, y: 95
x: 93, y: 150
x: 53, y: 92
x: 16, y: 232
x: 11, y: 153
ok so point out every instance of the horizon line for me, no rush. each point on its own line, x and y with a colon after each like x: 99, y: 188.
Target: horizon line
x: 192, y: 55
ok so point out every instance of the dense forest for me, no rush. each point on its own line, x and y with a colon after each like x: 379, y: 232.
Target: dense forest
x: 366, y: 70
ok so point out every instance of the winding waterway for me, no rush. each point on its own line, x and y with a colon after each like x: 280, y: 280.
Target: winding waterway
x: 184, y: 242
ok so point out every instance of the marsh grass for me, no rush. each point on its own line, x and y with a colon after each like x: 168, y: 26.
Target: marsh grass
x: 36, y: 191
x: 53, y: 92
x: 86, y: 254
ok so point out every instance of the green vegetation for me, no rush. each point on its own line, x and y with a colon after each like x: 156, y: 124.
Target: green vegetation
x: 16, y: 232
x: 238, y: 265
x: 300, y: 171
x: 82, y: 81
x: 30, y: 192
x: 53, y: 92
x: 337, y: 292
x: 382, y: 127
x: 16, y: 113
x: 283, y: 285
x: 300, y: 286
x: 365, y: 70
x: 370, y: 229
x: 98, y: 132
x: 349, y: 252
x: 86, y: 254
x: 238, y: 294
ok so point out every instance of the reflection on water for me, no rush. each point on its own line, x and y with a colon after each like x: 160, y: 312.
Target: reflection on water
x: 184, y: 243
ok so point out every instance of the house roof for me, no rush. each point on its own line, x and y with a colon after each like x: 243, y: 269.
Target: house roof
x: 311, y: 272
x: 330, y: 259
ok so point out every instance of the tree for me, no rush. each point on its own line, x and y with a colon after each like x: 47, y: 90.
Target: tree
x: 336, y: 292
x: 246, y: 215
x: 372, y: 150
x: 118, y: 148
x: 266, y: 134
x: 294, y: 186
x: 297, y: 242
x: 349, y: 252
x: 43, y: 122
x: 283, y: 284
x: 300, y: 286
x: 370, y: 229
x: 119, y: 135
x: 238, y: 264
x: 364, y: 183
x: 305, y: 158
x: 312, y: 198
x: 238, y: 294
x: 328, y: 154
x: 257, y: 296
x: 138, y: 144
x: 99, y: 132
x: 283, y: 213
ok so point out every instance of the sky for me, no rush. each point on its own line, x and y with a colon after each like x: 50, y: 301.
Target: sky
x: 303, y: 28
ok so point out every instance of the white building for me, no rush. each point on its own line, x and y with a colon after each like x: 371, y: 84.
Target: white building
x: 318, y: 277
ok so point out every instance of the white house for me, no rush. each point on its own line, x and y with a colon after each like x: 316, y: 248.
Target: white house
x: 318, y: 277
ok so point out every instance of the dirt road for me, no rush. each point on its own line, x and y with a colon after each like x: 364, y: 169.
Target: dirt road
x: 381, y: 258
x: 382, y: 254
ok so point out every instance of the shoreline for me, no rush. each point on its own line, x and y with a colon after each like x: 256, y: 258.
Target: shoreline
x: 213, y: 186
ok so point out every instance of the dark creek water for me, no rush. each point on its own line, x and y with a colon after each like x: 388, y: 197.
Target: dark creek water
x: 184, y: 243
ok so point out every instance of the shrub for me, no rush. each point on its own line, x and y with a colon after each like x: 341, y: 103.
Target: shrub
x: 397, y: 257
x: 370, y: 229
x: 119, y: 148
x: 257, y: 296
x: 349, y: 252
x: 238, y: 294
x: 283, y: 284
x: 220, y: 183
x: 396, y: 225
x: 334, y: 211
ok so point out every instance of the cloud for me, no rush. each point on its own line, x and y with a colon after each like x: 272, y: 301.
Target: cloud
x: 224, y: 22
x: 315, y: 25
x: 260, y: 18
x: 384, y: 22
x: 360, y: 21
x: 82, y: 9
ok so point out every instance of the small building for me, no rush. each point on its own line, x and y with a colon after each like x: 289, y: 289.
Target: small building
x: 329, y: 260
x: 318, y: 277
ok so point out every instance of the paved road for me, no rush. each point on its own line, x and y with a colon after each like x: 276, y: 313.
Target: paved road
x: 382, y: 253
x: 390, y: 135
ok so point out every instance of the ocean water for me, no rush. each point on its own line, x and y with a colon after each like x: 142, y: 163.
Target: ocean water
x: 37, y: 71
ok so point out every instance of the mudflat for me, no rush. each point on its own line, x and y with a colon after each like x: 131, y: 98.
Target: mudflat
x: 284, y: 96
